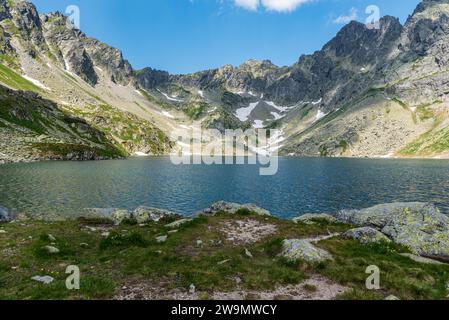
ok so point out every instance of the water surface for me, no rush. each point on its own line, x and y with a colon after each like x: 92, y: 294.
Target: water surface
x: 302, y: 185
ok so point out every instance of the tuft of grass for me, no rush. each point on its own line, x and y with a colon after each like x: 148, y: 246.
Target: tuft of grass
x: 118, y: 240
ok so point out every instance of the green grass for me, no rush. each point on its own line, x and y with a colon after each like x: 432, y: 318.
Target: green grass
x: 195, y: 110
x: 15, y: 81
x: 131, y: 254
x: 399, y: 275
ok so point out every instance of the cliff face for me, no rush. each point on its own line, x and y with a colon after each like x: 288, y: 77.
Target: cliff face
x: 88, y: 80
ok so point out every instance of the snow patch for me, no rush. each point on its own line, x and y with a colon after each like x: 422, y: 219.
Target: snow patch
x: 37, y: 83
x: 317, y: 102
x: 277, y: 116
x: 167, y: 114
x: 273, y: 144
x: 169, y: 97
x: 279, y: 108
x: 320, y: 114
x: 258, y: 124
x: 243, y: 113
x: 141, y: 154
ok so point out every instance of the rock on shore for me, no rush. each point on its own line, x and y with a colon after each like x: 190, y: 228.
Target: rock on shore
x: 421, y: 227
x: 233, y: 208
x: 5, y: 214
x: 140, y: 215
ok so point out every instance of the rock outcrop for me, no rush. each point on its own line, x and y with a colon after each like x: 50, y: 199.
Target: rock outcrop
x: 312, y: 218
x: 5, y: 214
x: 233, y: 208
x: 366, y: 235
x: 421, y: 227
x: 296, y: 249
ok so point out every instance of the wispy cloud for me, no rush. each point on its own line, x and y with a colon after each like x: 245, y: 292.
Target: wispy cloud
x: 248, y: 4
x: 271, y: 5
x: 344, y: 19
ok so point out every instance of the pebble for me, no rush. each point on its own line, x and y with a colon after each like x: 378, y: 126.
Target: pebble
x: 44, y: 279
x: 192, y: 289
x: 51, y: 249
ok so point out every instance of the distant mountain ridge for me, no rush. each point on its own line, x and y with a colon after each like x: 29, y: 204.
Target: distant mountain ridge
x: 369, y: 92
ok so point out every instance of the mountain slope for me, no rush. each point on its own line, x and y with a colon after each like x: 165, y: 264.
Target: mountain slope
x: 369, y: 92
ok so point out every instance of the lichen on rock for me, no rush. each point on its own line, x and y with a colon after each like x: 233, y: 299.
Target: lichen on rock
x: 296, y: 249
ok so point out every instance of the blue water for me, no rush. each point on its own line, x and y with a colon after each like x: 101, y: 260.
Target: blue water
x: 300, y: 186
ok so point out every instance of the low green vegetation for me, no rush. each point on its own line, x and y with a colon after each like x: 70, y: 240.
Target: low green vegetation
x: 195, y: 110
x: 15, y: 81
x: 431, y: 143
x: 63, y: 149
x: 112, y: 257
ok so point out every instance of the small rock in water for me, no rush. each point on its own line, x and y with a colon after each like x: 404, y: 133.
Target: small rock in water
x: 51, y: 238
x: 51, y: 249
x: 192, y: 289
x: 248, y: 253
x: 44, y: 279
x: 161, y: 239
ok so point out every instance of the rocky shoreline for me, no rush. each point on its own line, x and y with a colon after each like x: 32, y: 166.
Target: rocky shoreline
x: 410, y: 235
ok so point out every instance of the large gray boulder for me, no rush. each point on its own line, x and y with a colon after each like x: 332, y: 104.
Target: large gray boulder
x: 148, y: 214
x: 232, y: 208
x: 366, y: 235
x: 296, y: 249
x: 311, y: 218
x: 419, y: 226
x: 5, y: 214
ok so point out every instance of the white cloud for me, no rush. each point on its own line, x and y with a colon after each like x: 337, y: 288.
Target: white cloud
x: 353, y: 15
x: 271, y: 5
x: 283, y: 5
x: 248, y: 4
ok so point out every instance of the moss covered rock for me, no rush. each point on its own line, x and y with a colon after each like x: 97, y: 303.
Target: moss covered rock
x: 419, y: 226
x: 295, y: 249
x: 366, y: 235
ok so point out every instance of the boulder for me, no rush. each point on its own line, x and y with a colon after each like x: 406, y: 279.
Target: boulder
x: 418, y: 226
x: 161, y: 239
x: 297, y: 249
x: 119, y: 216
x: 51, y: 249
x: 5, y: 214
x: 311, y: 218
x: 177, y: 223
x: 43, y: 279
x: 233, y: 208
x: 366, y: 235
x: 148, y: 214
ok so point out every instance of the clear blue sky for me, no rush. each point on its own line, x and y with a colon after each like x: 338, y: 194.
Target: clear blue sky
x: 183, y: 36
